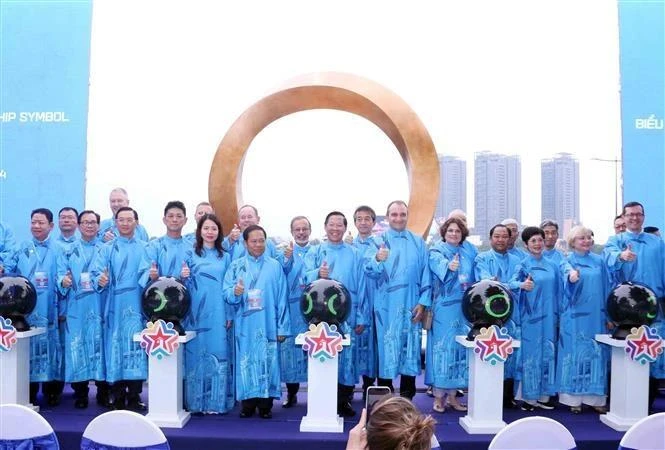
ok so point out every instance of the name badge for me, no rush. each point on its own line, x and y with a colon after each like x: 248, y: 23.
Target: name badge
x: 254, y: 300
x: 41, y: 280
x: 86, y: 282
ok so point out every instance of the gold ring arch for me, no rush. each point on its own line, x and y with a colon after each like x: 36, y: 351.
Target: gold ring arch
x: 340, y: 91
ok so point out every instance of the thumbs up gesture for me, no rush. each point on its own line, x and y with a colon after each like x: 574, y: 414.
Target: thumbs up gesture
x: 154, y: 272
x: 323, y: 270
x: 348, y: 238
x: 528, y: 283
x: 288, y: 251
x: 67, y: 279
x: 382, y: 254
x: 454, y: 264
x: 574, y: 275
x: 235, y: 233
x: 103, y: 278
x: 627, y: 254
x: 184, y: 271
x: 239, y: 289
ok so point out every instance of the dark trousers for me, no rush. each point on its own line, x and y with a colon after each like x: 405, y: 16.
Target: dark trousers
x: 407, y: 386
x: 249, y: 405
x: 653, y: 390
x: 344, y: 392
x: 367, y: 382
x: 48, y: 388
x: 81, y: 389
x: 292, y: 388
x: 387, y: 382
x: 129, y: 389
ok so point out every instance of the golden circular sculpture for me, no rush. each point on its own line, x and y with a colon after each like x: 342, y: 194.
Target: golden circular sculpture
x: 339, y: 91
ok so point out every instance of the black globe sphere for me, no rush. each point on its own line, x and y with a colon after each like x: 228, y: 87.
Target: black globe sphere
x: 18, y: 298
x: 486, y: 303
x: 631, y: 305
x: 167, y: 299
x: 325, y: 300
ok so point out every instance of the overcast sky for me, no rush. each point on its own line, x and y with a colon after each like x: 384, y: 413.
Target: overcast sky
x: 168, y: 79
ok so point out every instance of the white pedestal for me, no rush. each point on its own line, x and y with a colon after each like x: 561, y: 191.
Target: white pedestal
x: 629, y: 390
x: 165, y: 391
x: 485, y: 405
x: 15, y: 370
x: 322, y: 394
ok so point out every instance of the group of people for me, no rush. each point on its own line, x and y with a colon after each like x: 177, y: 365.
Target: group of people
x: 246, y: 304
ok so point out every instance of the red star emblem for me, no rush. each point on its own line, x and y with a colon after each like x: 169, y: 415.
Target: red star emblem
x: 7, y: 334
x: 322, y: 341
x: 159, y: 339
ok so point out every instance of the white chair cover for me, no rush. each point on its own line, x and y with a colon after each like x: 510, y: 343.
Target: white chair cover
x: 533, y: 432
x: 125, y: 429
x: 647, y: 434
x: 20, y: 423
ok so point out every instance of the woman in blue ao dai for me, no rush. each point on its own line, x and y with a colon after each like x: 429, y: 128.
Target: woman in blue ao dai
x: 581, y: 361
x: 452, y: 266
x: 540, y: 286
x: 209, y: 357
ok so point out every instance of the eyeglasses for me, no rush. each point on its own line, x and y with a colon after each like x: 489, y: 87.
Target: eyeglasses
x: 634, y: 215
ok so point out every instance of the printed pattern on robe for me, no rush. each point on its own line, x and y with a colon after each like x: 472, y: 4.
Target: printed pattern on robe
x: 403, y: 281
x: 539, y: 321
x: 366, y: 357
x: 582, y: 362
x: 257, y: 326
x: 125, y: 359
x: 209, y: 357
x: 344, y: 265
x: 293, y: 359
x: 648, y: 268
x: 33, y: 259
x: 83, y: 326
x: 447, y: 366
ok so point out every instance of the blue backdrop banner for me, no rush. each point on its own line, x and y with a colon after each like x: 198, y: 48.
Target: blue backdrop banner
x: 642, y: 47
x: 44, y: 71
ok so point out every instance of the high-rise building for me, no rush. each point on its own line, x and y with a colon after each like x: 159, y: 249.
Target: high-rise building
x: 452, y: 188
x: 560, y: 191
x: 498, y: 191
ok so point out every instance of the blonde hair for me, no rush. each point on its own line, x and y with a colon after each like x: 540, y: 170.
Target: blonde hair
x: 396, y: 424
x: 577, y: 231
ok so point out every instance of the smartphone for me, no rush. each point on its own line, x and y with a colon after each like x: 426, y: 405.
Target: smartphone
x: 374, y: 394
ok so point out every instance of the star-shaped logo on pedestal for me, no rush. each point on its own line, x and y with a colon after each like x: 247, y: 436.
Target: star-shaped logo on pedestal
x: 159, y: 339
x: 7, y: 335
x: 322, y: 341
x: 644, y: 345
x: 493, y: 345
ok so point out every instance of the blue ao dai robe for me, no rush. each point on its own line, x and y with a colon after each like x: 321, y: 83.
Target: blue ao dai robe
x: 581, y: 361
x: 447, y: 366
x: 209, y: 356
x: 366, y: 358
x: 293, y: 359
x: 403, y: 281
x: 125, y: 359
x: 539, y: 322
x: 7, y: 243
x: 83, y: 327
x: 257, y: 326
x: 492, y: 265
x: 37, y: 262
x: 648, y: 269
x: 344, y: 265
x: 168, y: 253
